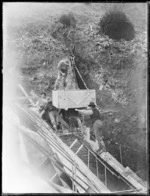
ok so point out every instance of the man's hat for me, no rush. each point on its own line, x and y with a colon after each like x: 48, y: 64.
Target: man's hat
x: 49, y: 99
x: 92, y: 104
x: 65, y: 61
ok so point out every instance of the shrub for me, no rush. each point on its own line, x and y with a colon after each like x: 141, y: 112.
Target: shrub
x: 117, y: 26
x: 68, y: 20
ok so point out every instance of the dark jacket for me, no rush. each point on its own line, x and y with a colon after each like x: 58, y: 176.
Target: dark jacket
x: 49, y: 107
x: 96, y: 115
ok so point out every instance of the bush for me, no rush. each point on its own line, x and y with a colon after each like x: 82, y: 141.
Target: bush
x: 87, y: 3
x: 68, y: 20
x: 117, y: 26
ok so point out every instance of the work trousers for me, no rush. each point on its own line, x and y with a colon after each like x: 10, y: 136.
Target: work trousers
x: 55, y: 119
x: 97, y: 128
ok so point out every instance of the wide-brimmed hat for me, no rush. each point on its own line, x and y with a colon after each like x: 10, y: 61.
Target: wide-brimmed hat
x: 92, y: 104
x: 65, y: 61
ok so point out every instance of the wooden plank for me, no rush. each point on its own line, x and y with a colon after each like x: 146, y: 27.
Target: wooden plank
x: 54, y: 137
x: 126, y: 191
x: 105, y: 176
x: 91, y: 179
x: 73, y: 143
x: 130, y: 172
x: 79, y: 149
x: 52, y: 178
x: 26, y: 95
x: 66, y: 163
x: 106, y: 156
x: 88, y: 158
x: 61, y: 189
x: 43, y: 163
x: 98, y: 186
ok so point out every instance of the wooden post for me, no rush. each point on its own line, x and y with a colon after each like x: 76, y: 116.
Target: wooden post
x: 105, y: 176
x: 88, y: 158
x: 73, y: 143
x: 79, y: 149
x: 96, y: 166
x: 52, y: 178
x: 25, y: 93
x: 120, y: 153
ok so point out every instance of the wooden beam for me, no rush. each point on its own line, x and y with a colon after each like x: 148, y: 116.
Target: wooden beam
x: 105, y: 176
x: 88, y: 158
x: 73, y: 143
x: 26, y: 95
x: 108, y: 158
x: 79, y: 149
x: 97, y: 167
x: 52, y: 178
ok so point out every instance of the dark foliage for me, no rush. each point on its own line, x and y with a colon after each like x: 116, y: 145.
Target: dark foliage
x: 88, y: 3
x: 68, y: 20
x: 117, y: 26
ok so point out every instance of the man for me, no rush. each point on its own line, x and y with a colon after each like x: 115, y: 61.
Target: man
x: 46, y: 110
x: 96, y: 125
x: 50, y: 113
x: 62, y: 67
x: 66, y: 79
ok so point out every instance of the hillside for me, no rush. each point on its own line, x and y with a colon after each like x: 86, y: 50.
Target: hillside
x: 35, y: 41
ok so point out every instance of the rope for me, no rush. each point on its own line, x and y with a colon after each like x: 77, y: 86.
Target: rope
x: 81, y: 77
x: 72, y: 45
x: 73, y: 57
x: 73, y: 62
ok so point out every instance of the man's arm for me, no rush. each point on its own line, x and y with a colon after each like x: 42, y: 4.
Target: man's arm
x: 85, y: 111
x: 41, y: 113
x: 37, y: 104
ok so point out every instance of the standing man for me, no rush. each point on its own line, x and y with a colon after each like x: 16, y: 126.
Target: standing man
x: 97, y: 126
